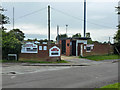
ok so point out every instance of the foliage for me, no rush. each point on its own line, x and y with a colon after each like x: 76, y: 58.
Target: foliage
x: 77, y: 35
x: 88, y: 35
x: 62, y: 36
x: 18, y: 34
x: 102, y: 57
x: 10, y: 44
x: 3, y: 20
x: 117, y: 36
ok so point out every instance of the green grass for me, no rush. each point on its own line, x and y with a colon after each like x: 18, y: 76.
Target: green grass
x: 31, y: 61
x: 115, y: 86
x: 102, y: 57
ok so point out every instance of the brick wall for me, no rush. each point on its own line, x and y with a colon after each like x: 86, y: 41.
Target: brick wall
x: 42, y: 55
x: 68, y: 47
x: 99, y: 49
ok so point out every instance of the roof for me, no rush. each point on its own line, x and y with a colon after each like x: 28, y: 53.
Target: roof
x: 76, y: 38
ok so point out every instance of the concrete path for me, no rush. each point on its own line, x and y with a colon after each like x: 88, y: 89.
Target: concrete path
x: 82, y: 61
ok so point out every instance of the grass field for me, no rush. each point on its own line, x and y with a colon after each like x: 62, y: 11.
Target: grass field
x: 102, y: 57
x: 116, y: 85
x: 31, y: 61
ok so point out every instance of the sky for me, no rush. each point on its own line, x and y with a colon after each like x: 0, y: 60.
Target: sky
x: 31, y: 18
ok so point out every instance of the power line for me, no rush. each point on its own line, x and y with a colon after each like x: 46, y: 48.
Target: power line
x: 30, y: 13
x: 77, y: 18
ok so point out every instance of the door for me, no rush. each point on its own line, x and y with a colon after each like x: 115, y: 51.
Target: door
x: 74, y: 48
x: 63, y: 46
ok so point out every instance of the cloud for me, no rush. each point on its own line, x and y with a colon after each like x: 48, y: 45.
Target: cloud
x: 39, y: 32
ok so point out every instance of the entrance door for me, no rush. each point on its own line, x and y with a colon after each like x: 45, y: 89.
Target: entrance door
x: 63, y: 46
x: 74, y: 48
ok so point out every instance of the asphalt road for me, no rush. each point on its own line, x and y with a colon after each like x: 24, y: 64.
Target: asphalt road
x: 93, y: 76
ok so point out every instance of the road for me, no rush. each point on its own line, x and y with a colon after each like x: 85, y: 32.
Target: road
x: 93, y: 76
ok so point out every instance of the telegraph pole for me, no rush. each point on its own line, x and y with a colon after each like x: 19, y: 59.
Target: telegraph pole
x: 13, y: 17
x: 48, y: 26
x: 66, y: 28
x: 84, y: 18
x: 57, y: 34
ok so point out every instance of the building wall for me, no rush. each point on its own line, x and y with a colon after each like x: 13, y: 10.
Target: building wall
x: 42, y: 55
x: 68, y: 47
x: 99, y: 49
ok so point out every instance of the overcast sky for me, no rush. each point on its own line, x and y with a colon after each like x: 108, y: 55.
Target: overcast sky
x: 101, y: 18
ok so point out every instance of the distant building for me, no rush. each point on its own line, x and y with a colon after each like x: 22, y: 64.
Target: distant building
x: 79, y: 47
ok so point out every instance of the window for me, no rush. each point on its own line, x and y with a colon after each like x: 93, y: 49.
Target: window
x: 67, y: 44
x: 45, y: 48
x: 40, y: 47
x: 88, y: 49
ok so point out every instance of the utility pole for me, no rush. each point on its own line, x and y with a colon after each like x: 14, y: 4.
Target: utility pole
x: 109, y: 40
x: 84, y: 18
x: 57, y: 34
x: 13, y: 17
x: 48, y: 26
x: 66, y: 28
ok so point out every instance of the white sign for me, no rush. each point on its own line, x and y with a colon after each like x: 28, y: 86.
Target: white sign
x: 29, y: 48
x: 54, y: 51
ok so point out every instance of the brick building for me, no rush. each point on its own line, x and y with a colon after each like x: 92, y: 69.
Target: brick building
x: 79, y: 47
x: 41, y: 52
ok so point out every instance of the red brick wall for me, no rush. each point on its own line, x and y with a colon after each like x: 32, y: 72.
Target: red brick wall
x: 99, y: 49
x: 42, y: 55
x: 68, y: 48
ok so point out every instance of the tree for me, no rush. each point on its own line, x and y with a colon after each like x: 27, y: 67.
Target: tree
x: 62, y: 36
x: 10, y: 44
x: 18, y: 34
x: 88, y: 35
x: 77, y: 35
x: 117, y: 37
x: 3, y: 19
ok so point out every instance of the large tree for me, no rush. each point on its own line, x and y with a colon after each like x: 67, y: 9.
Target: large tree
x: 18, y: 34
x: 10, y: 44
x: 117, y: 35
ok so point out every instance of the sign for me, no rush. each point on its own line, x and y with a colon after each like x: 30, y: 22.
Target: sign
x: 29, y: 48
x: 54, y: 51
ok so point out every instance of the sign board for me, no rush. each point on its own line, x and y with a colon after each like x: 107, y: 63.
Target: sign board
x: 54, y: 51
x: 29, y: 48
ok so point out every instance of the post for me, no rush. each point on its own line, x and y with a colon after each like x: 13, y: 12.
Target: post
x: 48, y: 26
x: 57, y: 34
x: 66, y: 28
x: 13, y: 17
x: 84, y: 18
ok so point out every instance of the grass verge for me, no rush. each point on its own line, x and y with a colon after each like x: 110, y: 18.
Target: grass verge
x: 102, y: 57
x: 31, y: 61
x: 116, y: 85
